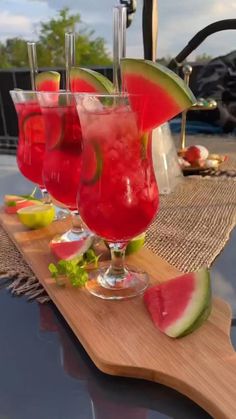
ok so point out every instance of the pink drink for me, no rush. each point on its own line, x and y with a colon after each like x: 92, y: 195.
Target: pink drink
x: 62, y: 164
x: 31, y: 142
x: 118, y: 195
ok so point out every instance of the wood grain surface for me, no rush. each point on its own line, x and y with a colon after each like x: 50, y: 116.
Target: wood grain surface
x: 121, y: 339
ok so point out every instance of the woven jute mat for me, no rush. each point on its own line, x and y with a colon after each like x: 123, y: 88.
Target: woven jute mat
x: 16, y: 274
x: 194, y: 223
x: 191, y: 228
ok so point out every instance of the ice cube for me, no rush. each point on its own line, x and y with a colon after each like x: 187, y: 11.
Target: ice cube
x: 92, y: 104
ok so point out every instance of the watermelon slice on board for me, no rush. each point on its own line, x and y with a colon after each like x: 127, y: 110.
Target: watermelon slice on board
x: 163, y: 93
x: 12, y: 203
x: 84, y: 80
x: 180, y: 305
x: 68, y: 250
x: 48, y: 81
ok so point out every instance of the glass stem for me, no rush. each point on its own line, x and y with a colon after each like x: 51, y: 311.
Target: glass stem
x: 45, y: 195
x: 117, y: 268
x: 77, y: 224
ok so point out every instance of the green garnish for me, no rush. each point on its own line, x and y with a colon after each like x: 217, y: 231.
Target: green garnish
x: 75, y: 270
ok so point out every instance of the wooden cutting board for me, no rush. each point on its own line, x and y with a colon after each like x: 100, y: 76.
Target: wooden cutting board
x: 121, y: 339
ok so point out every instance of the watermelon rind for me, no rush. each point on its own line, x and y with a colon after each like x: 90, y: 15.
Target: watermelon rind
x: 200, y: 319
x: 158, y: 74
x: 197, y: 309
x: 98, y: 82
x: 47, y: 76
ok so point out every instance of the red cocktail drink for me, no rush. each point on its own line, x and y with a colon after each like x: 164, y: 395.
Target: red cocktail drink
x: 62, y: 165
x: 62, y: 161
x: 118, y: 196
x: 31, y: 137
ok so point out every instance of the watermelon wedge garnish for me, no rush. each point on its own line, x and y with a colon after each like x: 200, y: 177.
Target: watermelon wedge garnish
x: 180, y: 305
x: 92, y: 163
x: 163, y: 93
x: 84, y: 80
x: 68, y: 250
x: 48, y: 81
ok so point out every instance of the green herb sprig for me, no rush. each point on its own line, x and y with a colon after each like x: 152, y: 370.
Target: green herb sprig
x: 75, y: 270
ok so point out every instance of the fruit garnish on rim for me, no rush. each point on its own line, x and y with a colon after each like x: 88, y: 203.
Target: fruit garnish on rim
x: 180, y: 305
x: 48, y: 81
x: 85, y: 80
x: 164, y: 93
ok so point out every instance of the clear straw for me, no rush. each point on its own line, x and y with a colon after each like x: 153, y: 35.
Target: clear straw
x: 31, y: 47
x: 69, y: 55
x: 119, y: 42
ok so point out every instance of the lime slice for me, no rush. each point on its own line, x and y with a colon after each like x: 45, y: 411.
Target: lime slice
x: 37, y: 216
x: 33, y: 128
x: 135, y: 244
x: 93, y: 163
x: 55, y: 129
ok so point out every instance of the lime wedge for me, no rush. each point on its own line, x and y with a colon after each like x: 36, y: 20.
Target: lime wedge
x: 37, y: 216
x: 135, y: 244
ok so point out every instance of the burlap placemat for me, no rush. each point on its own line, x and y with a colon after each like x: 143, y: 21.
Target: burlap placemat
x: 16, y: 274
x: 194, y: 222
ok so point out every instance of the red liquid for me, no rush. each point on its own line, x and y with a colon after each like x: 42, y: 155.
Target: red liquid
x: 123, y: 200
x: 62, y: 165
x: 31, y: 142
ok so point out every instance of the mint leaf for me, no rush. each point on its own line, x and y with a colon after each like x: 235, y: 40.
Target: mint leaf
x: 78, y: 278
x: 74, y: 270
x: 53, y: 270
x: 55, y: 274
x: 91, y: 257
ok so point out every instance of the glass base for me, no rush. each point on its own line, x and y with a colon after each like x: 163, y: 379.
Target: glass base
x: 103, y: 286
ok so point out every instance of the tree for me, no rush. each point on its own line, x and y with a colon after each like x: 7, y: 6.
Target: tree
x: 90, y: 50
x: 203, y: 58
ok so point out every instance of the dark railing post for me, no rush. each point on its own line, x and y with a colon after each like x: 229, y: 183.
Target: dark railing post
x: 149, y: 26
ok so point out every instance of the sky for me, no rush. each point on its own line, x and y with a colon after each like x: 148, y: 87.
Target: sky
x: 179, y: 21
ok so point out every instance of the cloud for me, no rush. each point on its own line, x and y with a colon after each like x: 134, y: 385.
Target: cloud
x: 14, y: 23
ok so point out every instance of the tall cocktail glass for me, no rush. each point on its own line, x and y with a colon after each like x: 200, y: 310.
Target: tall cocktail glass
x: 118, y: 195
x: 31, y: 135
x: 62, y: 161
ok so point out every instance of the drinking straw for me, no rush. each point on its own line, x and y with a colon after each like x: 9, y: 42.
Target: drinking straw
x: 69, y: 55
x: 31, y: 47
x: 119, y: 42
